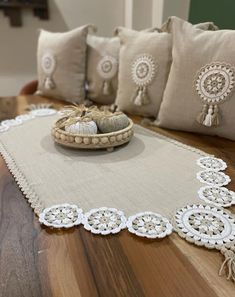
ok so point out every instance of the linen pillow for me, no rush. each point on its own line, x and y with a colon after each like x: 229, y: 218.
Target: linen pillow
x: 61, y: 64
x: 201, y: 82
x: 102, y: 68
x: 167, y: 26
x: 144, y: 63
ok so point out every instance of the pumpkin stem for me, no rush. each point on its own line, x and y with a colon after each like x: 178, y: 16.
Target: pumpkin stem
x: 114, y: 108
x: 83, y: 113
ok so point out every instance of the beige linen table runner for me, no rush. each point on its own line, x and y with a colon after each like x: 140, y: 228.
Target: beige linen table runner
x: 150, y: 173
x: 151, y: 186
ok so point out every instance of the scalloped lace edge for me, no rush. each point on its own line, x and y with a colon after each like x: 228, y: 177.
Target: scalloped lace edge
x: 21, y: 181
x: 176, y: 142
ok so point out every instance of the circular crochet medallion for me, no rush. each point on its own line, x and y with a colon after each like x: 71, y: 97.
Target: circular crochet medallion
x: 43, y: 112
x: 62, y: 215
x: 212, y: 163
x: 215, y: 82
x: 48, y: 63
x: 143, y: 70
x: 213, y: 178
x: 25, y: 117
x: 3, y: 128
x: 218, y: 196
x: 149, y: 224
x: 104, y: 221
x: 107, y: 67
x: 205, y: 225
x: 11, y: 123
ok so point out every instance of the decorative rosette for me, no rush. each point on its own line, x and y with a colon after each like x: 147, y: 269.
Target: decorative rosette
x: 107, y: 69
x: 143, y: 71
x: 214, y: 84
x: 213, y: 178
x: 43, y: 112
x: 25, y: 117
x: 61, y: 216
x: 205, y: 225
x: 48, y: 63
x: 149, y: 224
x: 212, y: 163
x: 218, y: 196
x: 11, y: 123
x: 104, y: 221
x: 3, y: 128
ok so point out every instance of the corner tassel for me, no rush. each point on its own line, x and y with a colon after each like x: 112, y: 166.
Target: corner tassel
x: 106, y: 88
x: 142, y: 97
x: 202, y: 115
x: 208, y: 119
x: 145, y: 98
x: 229, y: 262
x: 138, y: 98
x: 49, y: 84
x: 215, y: 116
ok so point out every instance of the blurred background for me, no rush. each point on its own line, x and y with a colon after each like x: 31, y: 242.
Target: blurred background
x: 21, y: 19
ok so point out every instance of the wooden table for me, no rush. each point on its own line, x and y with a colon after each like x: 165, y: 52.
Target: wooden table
x: 35, y: 261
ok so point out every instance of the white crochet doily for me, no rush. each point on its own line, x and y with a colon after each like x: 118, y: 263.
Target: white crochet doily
x: 215, y: 82
x: 107, y: 67
x: 61, y: 216
x: 218, y: 196
x: 149, y: 224
x: 143, y: 70
x: 212, y: 163
x: 3, y: 128
x: 104, y: 221
x: 205, y: 225
x: 42, y: 112
x: 25, y: 117
x: 214, y: 178
x: 11, y: 123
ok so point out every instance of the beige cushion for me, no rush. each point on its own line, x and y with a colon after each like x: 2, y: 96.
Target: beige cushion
x: 192, y: 83
x: 210, y: 26
x: 102, y: 68
x: 61, y: 64
x: 144, y: 63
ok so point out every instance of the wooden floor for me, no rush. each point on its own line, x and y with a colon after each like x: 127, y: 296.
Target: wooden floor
x: 36, y: 261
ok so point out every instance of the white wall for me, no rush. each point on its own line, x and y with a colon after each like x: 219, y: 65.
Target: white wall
x: 18, y: 45
x: 178, y: 8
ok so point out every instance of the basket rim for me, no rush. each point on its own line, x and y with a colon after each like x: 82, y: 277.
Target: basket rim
x: 130, y: 126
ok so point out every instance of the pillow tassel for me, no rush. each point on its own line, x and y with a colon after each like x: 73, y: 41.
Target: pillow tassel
x: 202, y: 115
x: 142, y: 97
x: 138, y: 98
x: 145, y: 98
x: 215, y: 116
x: 208, y: 119
x: 107, y: 88
x: 49, y: 84
x: 229, y: 262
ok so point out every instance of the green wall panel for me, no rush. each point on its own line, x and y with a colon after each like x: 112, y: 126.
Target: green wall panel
x: 221, y: 12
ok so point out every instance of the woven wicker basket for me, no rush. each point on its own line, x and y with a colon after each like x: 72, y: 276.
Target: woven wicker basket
x: 95, y: 141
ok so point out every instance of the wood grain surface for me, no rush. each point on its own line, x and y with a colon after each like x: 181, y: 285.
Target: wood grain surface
x: 36, y: 261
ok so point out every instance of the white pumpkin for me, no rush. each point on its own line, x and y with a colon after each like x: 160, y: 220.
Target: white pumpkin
x: 83, y: 127
x: 110, y: 122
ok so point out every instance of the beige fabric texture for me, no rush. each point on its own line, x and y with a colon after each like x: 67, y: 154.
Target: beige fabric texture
x: 151, y: 173
x: 133, y: 44
x: 97, y: 48
x: 192, y: 49
x: 210, y: 26
x: 69, y: 52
